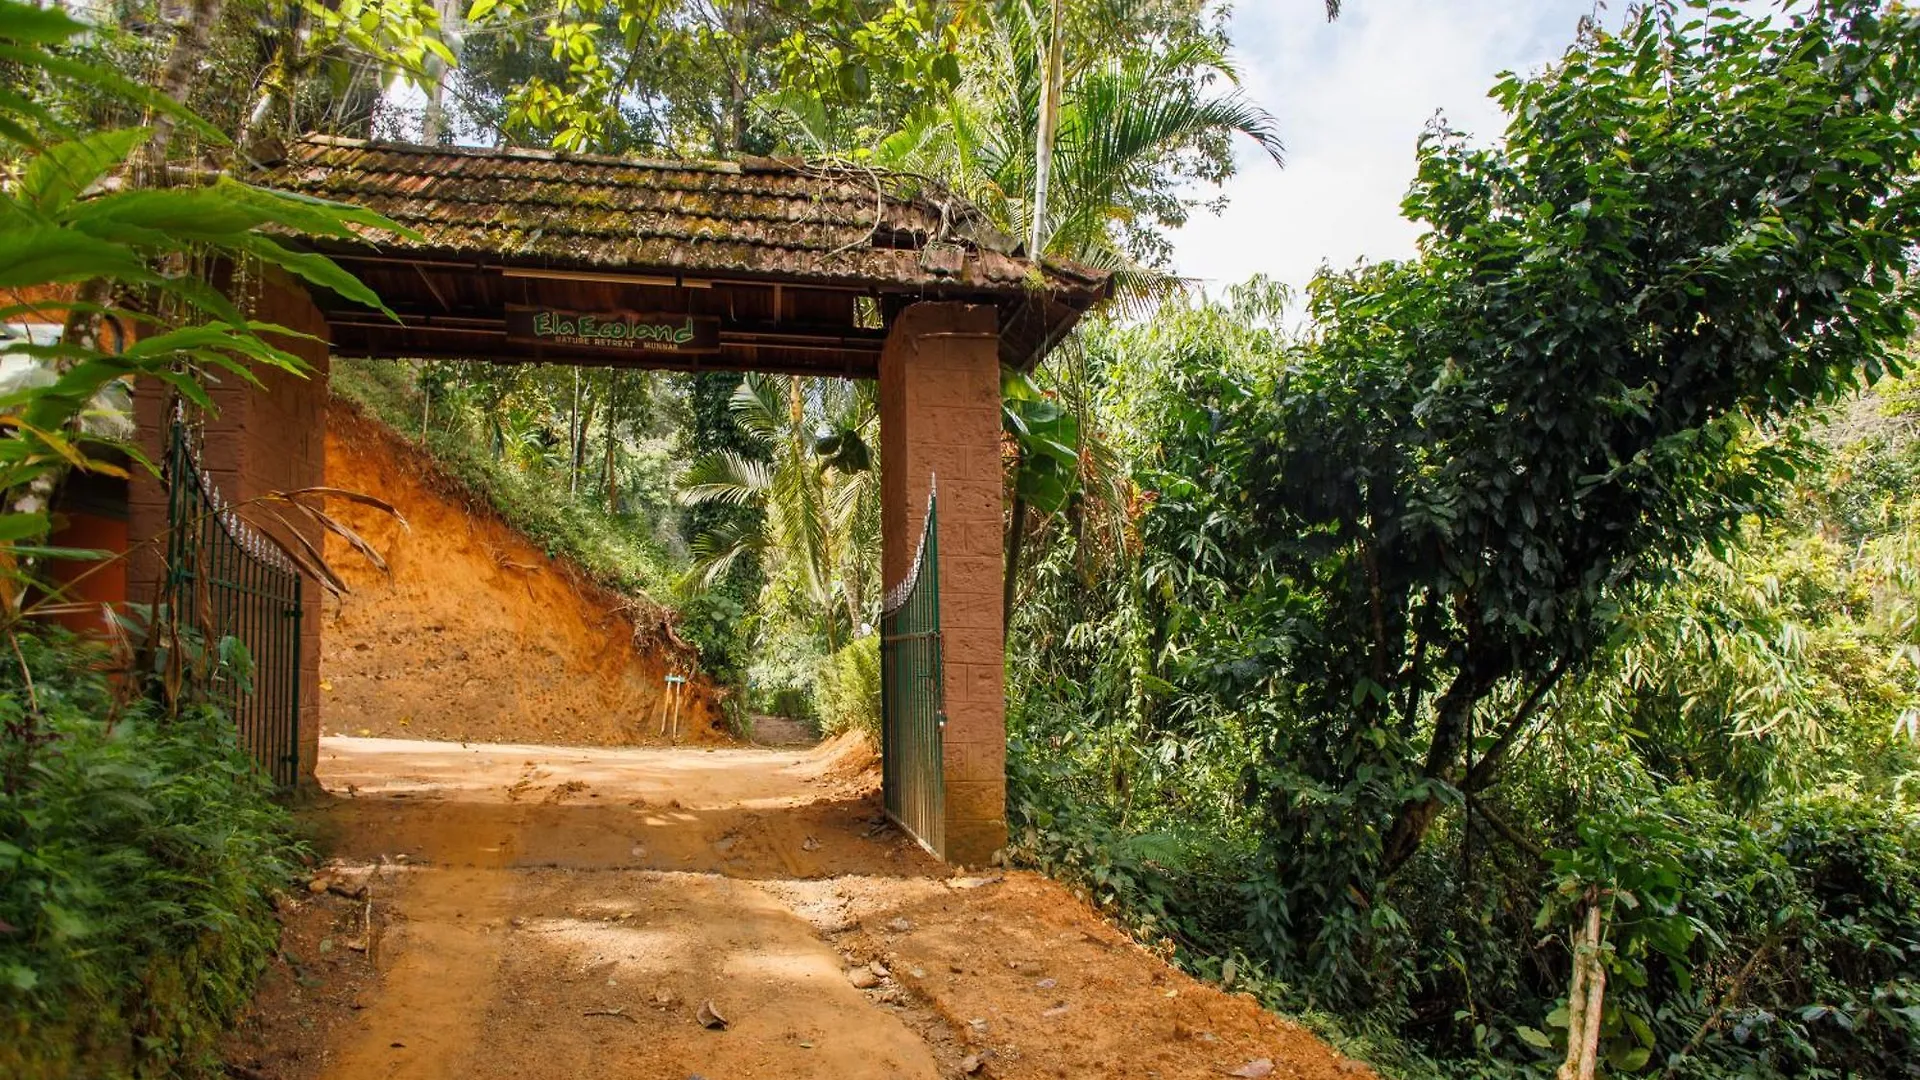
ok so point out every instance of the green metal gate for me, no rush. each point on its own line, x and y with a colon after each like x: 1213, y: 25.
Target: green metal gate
x: 913, y: 708
x: 225, y: 580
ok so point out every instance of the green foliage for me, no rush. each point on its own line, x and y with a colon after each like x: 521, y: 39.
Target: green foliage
x: 850, y: 689
x: 812, y: 477
x: 1480, y: 454
x: 403, y: 36
x: 138, y: 858
x: 267, y: 69
x: 706, y: 78
x: 938, y: 89
x: 1513, y: 580
x: 1048, y: 441
x: 784, y: 675
x: 103, y: 259
x: 718, y: 617
x: 1146, y: 109
x: 525, y: 492
x: 1772, y: 669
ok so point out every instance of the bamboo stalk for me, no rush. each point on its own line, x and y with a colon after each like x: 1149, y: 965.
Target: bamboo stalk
x: 1585, y: 1001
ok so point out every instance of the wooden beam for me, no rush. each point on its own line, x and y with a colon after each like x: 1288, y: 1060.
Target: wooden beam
x: 503, y: 353
x: 818, y: 335
x: 432, y: 288
x: 675, y: 281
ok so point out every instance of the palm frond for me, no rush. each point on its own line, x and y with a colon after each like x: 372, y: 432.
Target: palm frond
x: 759, y: 405
x: 716, y: 551
x: 725, y: 477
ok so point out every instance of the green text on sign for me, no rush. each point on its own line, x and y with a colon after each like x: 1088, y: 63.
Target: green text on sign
x: 623, y: 330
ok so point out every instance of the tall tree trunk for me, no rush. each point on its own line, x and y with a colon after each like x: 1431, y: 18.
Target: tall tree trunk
x: 1049, y: 115
x: 1016, y: 537
x: 573, y: 437
x: 852, y: 590
x: 147, y: 163
x: 190, y: 40
x: 589, y: 402
x: 253, y: 138
x: 1477, y: 676
x: 737, y: 75
x: 613, y: 407
x: 452, y: 18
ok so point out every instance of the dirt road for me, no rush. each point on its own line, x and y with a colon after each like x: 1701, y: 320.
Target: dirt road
x: 537, y: 913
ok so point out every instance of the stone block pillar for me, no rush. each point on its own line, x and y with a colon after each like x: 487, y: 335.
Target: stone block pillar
x: 270, y: 437
x: 940, y: 418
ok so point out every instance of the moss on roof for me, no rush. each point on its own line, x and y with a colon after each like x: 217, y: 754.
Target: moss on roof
x: 759, y: 217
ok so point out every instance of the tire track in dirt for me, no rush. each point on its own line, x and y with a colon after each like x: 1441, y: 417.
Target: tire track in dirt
x: 425, y: 1019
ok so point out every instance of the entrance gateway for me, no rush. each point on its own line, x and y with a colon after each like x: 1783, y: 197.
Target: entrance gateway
x: 518, y: 256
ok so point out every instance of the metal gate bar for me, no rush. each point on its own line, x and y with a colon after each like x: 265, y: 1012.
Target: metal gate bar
x: 224, y: 580
x: 913, y: 704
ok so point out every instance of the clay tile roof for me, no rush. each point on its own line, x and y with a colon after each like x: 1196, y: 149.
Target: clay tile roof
x: 758, y: 218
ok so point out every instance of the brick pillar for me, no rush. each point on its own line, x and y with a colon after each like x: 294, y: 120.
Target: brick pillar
x: 940, y: 416
x: 262, y: 438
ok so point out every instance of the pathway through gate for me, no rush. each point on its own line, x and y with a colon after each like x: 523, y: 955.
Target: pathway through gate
x: 500, y: 912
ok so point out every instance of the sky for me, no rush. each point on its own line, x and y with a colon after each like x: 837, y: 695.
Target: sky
x: 1351, y: 98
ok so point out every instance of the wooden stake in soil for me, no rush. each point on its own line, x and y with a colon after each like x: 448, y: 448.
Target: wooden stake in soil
x: 676, y: 688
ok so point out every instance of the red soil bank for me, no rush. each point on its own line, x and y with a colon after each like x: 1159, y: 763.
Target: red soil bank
x: 477, y: 635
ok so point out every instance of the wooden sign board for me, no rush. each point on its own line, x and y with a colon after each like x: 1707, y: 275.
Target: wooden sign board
x: 614, y: 330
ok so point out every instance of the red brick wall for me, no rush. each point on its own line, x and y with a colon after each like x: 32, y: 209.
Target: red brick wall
x: 262, y: 438
x: 940, y: 417
x: 96, y: 584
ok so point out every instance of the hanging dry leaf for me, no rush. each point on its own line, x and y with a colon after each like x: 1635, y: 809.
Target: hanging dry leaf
x: 360, y: 497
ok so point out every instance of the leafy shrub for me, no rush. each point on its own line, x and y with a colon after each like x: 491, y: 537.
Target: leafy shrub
x: 849, y: 689
x: 712, y: 619
x: 783, y: 677
x: 1780, y: 942
x: 1816, y: 909
x: 138, y: 857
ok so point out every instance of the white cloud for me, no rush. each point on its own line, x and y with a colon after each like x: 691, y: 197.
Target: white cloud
x: 1352, y: 97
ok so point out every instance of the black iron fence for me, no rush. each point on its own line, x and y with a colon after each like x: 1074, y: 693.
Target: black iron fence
x: 228, y: 584
x: 913, y: 708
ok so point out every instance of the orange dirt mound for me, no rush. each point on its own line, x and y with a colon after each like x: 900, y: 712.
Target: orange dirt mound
x: 477, y: 635
x: 847, y: 756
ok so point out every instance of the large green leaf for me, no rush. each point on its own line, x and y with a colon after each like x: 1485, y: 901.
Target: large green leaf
x: 58, y: 174
x: 1048, y: 471
x: 116, y: 85
x: 169, y: 215
x: 44, y: 254
x: 315, y: 270
x: 310, y: 215
x: 18, y: 526
x: 241, y: 341
x: 32, y: 24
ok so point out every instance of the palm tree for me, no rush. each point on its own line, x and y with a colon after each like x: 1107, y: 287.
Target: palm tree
x: 1125, y: 116
x: 818, y: 490
x: 1124, y: 121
